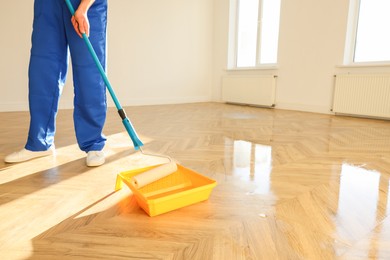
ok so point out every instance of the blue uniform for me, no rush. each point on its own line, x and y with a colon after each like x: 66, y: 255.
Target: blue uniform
x: 53, y: 38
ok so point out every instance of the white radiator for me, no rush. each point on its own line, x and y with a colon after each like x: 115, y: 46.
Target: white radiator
x: 362, y: 95
x: 251, y: 90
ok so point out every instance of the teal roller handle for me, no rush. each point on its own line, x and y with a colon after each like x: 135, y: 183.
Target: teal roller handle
x: 126, y: 122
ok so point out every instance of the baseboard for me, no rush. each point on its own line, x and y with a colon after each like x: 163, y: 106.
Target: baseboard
x: 304, y: 108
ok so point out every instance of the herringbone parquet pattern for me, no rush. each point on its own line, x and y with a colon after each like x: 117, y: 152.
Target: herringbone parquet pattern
x: 291, y: 185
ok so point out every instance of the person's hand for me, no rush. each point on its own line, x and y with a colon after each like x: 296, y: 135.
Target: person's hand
x: 80, y: 20
x: 80, y: 23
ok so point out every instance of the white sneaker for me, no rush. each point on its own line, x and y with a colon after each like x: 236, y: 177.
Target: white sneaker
x: 25, y: 155
x: 95, y: 158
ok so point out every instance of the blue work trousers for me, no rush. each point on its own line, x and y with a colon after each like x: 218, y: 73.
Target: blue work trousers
x: 53, y: 38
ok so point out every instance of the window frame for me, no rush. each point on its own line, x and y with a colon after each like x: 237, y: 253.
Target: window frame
x: 351, y: 37
x: 233, y: 39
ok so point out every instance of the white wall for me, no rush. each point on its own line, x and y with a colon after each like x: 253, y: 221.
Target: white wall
x: 161, y: 51
x: 15, y: 26
x: 311, y: 49
x: 158, y: 52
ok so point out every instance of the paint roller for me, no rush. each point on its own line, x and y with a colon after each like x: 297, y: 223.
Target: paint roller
x: 153, y: 175
x: 148, y: 176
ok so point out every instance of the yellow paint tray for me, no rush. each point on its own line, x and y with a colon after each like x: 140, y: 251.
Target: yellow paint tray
x: 179, y: 189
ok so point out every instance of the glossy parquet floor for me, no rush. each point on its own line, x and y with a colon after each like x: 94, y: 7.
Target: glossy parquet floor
x: 291, y: 185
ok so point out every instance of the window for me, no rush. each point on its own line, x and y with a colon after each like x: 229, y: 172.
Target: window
x: 369, y: 32
x: 254, y: 32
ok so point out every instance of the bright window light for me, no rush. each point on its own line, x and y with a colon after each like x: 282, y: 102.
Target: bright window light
x: 372, y: 34
x: 247, y: 33
x: 270, y: 31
